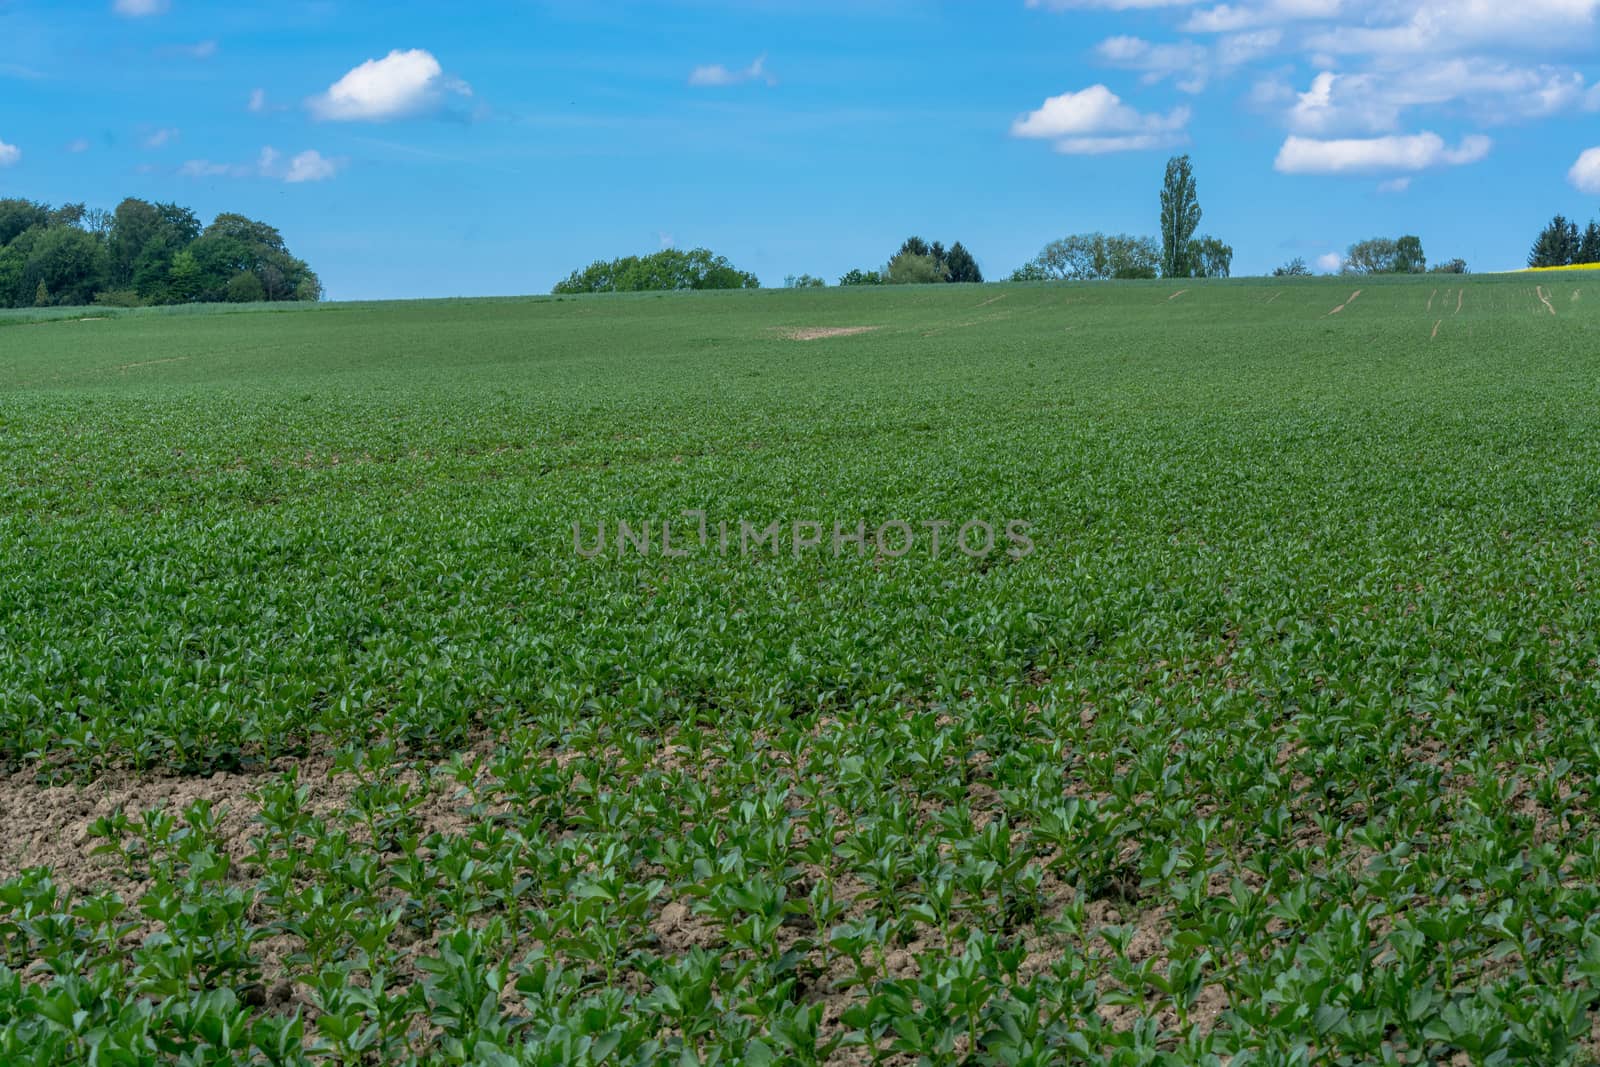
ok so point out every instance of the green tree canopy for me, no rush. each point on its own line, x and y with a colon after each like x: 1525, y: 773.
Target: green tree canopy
x: 1180, y: 218
x: 668, y: 269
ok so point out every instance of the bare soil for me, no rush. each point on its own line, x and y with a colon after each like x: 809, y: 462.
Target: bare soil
x: 820, y: 333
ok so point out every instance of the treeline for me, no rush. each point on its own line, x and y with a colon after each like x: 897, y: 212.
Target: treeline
x: 1561, y: 245
x: 1180, y: 252
x: 920, y: 263
x: 1381, y: 255
x: 667, y: 269
x: 141, y: 254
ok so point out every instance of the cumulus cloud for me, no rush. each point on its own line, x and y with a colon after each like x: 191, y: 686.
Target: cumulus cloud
x: 1585, y: 173
x: 1094, y: 121
x: 1377, y: 68
x: 308, y: 166
x: 716, y: 75
x: 1331, y: 263
x: 10, y: 154
x: 1414, y: 152
x: 400, y: 85
x: 1190, y: 64
x: 138, y: 9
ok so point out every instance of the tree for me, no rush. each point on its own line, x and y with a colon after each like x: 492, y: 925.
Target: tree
x: 959, y: 266
x: 69, y: 262
x: 1558, y: 244
x: 41, y: 296
x: 1589, y: 247
x: 910, y: 269
x: 1375, y: 256
x: 1295, y: 268
x: 19, y: 216
x: 1453, y: 266
x: 183, y: 281
x: 245, y: 288
x: 1094, y: 257
x: 1129, y: 257
x: 1210, y: 258
x: 857, y: 276
x: 1180, y: 217
x: 913, y: 246
x: 804, y: 281
x: 1409, y: 257
x: 668, y: 269
x: 1031, y: 271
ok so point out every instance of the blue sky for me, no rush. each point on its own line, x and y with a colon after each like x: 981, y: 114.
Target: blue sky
x: 429, y: 149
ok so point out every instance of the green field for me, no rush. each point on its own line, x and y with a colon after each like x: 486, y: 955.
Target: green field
x: 321, y: 742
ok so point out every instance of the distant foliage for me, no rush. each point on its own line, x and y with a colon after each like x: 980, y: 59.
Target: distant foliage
x: 920, y: 263
x: 668, y: 269
x: 1295, y: 268
x: 1560, y: 244
x: 804, y: 281
x: 1094, y: 257
x: 142, y: 253
x: 1180, y: 218
x: 910, y: 269
x: 1209, y: 258
x: 1383, y: 255
x: 1453, y: 266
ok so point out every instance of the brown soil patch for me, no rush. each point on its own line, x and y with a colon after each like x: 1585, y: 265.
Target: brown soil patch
x: 1347, y: 303
x: 1545, y: 299
x: 1436, y: 329
x: 819, y: 333
x: 1175, y: 296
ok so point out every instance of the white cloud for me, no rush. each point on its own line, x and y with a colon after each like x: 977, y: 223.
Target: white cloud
x: 1585, y: 173
x: 1489, y: 91
x: 199, y: 50
x: 9, y: 154
x: 258, y: 101
x: 78, y: 145
x: 1331, y: 263
x: 1395, y: 185
x: 716, y: 75
x: 138, y: 9
x: 1231, y: 18
x: 397, y: 86
x: 308, y: 166
x: 1094, y: 121
x: 161, y: 138
x: 311, y: 166
x: 1306, y: 155
x: 1434, y: 26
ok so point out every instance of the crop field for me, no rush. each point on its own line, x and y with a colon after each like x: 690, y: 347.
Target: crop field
x: 1266, y: 732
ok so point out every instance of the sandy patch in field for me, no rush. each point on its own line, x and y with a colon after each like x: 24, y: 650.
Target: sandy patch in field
x: 1274, y: 296
x: 1347, y: 303
x: 1436, y: 329
x: 993, y: 300
x: 1461, y: 296
x: 1545, y: 299
x: 819, y: 333
x: 1430, y: 299
x: 1175, y: 296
